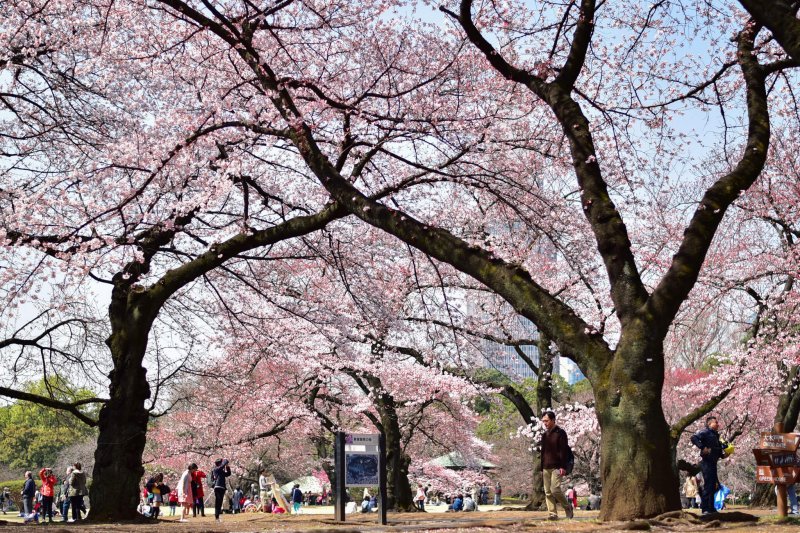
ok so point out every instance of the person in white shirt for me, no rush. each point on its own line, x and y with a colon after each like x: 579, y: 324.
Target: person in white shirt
x: 263, y: 489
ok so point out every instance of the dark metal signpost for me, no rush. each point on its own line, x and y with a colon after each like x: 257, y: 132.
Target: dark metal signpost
x: 359, y: 460
x: 338, y: 465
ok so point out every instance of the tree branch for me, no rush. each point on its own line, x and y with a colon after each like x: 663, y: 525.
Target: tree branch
x: 687, y: 262
x: 71, y: 408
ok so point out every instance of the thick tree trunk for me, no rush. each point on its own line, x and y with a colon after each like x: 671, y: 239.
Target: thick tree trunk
x: 639, y: 476
x: 324, y: 449
x: 118, y: 469
x: 544, y: 401
x: 399, y: 495
x: 537, y: 502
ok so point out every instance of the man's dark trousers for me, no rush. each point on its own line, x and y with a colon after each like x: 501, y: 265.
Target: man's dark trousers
x: 710, y: 482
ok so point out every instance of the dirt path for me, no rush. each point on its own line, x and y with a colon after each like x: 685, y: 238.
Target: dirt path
x: 496, y: 521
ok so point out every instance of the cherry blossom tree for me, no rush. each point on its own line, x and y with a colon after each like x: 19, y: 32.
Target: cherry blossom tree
x: 207, y: 130
x: 629, y: 377
x: 310, y: 345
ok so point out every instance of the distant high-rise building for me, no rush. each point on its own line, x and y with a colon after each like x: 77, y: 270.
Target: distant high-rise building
x: 571, y: 372
x: 505, y: 358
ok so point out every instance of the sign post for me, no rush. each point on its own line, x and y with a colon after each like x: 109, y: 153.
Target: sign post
x: 382, y: 480
x: 360, y: 460
x: 777, y: 462
x: 338, y: 465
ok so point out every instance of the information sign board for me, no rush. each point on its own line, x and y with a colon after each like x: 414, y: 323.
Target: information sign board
x: 361, y: 469
x: 361, y: 439
x: 779, y: 441
x: 776, y: 458
x: 361, y: 459
x: 773, y: 458
x: 779, y: 476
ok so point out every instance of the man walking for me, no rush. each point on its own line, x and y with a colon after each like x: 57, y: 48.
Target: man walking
x: 555, y: 450
x: 297, y: 499
x: 707, y: 440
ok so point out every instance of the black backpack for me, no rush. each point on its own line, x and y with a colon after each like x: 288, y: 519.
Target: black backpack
x: 570, y: 462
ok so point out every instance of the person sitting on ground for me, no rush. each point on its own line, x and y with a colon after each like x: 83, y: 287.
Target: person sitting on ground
x: 365, y: 504
x: 458, y: 504
x: 594, y: 502
x: 469, y: 503
x: 31, y: 517
x: 277, y: 509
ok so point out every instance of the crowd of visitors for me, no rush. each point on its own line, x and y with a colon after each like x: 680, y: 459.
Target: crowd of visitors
x: 479, y: 495
x: 189, y: 492
x: 52, y: 497
x: 55, y: 497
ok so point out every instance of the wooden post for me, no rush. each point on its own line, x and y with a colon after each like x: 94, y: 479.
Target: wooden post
x: 339, y: 467
x: 781, y: 488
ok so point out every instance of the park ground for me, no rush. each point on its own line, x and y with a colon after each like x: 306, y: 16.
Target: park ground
x: 491, y: 519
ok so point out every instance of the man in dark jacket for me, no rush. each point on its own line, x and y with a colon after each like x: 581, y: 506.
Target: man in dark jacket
x: 28, y: 493
x: 218, y: 476
x: 555, y: 450
x: 710, y: 452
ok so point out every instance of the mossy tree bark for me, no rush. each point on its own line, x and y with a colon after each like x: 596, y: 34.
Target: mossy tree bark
x: 399, y: 495
x: 635, y: 449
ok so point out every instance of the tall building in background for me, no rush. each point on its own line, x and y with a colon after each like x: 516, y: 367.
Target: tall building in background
x: 506, y: 359
x: 570, y: 371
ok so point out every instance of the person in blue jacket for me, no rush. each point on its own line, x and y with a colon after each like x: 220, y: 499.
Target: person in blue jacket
x: 458, y: 503
x: 297, y: 498
x: 707, y: 440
